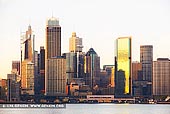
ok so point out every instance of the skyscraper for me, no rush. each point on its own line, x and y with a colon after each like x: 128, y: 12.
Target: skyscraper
x: 53, y: 38
x: 56, y: 77
x: 27, y: 79
x: 123, y: 75
x: 27, y: 45
x: 71, y: 66
x: 74, y: 58
x: 27, y: 65
x: 75, y: 43
x: 13, y: 86
x: 161, y: 77
x: 55, y: 71
x: 146, y: 59
x: 42, y: 69
x: 91, y: 68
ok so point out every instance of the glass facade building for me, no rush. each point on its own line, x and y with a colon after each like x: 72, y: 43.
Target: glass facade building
x: 124, y: 62
x: 91, y: 67
x: 146, y: 59
x: 71, y: 66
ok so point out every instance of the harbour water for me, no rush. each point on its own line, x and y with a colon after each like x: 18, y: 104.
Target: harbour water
x: 96, y: 109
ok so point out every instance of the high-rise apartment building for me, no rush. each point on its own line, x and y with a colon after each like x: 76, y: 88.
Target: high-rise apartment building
x: 123, y: 73
x: 75, y: 43
x: 146, y: 59
x: 161, y: 76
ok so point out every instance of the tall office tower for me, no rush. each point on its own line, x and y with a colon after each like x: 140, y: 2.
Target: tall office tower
x: 75, y: 46
x: 161, y: 77
x: 16, y: 65
x: 56, y: 76
x: 55, y: 71
x: 27, y: 65
x: 36, y: 73
x: 42, y: 69
x: 75, y: 43
x: 123, y: 73
x: 27, y: 79
x: 13, y: 87
x: 27, y: 45
x: 136, y: 71
x: 71, y: 66
x: 91, y: 68
x: 53, y: 38
x: 146, y: 59
x: 74, y: 68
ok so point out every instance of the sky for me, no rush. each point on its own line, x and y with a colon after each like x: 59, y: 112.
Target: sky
x: 98, y: 22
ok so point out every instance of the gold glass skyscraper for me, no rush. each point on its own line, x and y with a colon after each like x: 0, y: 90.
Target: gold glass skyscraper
x: 124, y: 62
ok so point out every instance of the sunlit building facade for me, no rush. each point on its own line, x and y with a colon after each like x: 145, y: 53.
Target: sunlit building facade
x: 27, y: 62
x: 27, y: 45
x: 27, y: 80
x: 123, y: 75
x: 161, y: 76
x: 55, y: 64
x: 56, y: 76
x: 75, y: 43
x: 53, y: 38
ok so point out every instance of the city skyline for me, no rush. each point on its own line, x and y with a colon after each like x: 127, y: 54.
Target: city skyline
x: 147, y: 22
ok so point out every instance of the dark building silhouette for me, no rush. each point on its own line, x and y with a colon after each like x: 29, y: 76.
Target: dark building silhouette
x: 120, y: 83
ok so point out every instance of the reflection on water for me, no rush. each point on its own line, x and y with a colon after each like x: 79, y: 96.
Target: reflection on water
x: 96, y: 109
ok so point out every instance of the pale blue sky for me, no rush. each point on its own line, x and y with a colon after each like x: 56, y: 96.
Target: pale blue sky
x: 98, y: 22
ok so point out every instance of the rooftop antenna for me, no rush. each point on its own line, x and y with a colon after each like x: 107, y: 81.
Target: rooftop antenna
x: 29, y: 21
